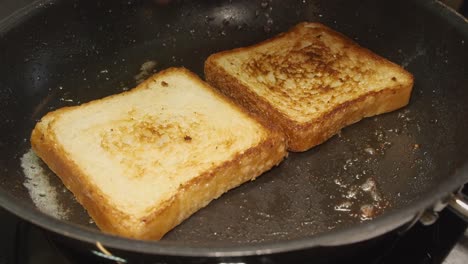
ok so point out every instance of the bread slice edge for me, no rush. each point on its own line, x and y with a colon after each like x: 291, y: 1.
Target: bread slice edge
x: 303, y: 136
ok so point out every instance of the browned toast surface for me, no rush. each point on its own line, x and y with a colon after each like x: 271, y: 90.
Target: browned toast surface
x: 312, y: 81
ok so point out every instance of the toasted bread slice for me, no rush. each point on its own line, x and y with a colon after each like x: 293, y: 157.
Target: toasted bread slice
x: 142, y: 161
x: 311, y: 81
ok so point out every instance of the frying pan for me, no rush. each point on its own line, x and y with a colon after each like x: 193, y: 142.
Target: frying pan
x: 376, y: 176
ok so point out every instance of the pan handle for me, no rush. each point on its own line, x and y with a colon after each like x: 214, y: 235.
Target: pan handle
x: 459, y: 204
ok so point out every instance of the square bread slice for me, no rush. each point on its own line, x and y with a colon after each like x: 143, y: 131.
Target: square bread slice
x: 142, y: 161
x: 311, y: 81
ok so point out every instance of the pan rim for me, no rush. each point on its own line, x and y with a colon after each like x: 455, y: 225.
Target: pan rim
x: 21, y: 14
x: 348, y: 235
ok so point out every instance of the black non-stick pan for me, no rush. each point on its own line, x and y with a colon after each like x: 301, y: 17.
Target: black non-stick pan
x: 375, y: 176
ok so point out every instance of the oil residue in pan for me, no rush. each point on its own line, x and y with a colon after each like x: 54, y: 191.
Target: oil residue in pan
x: 364, y: 202
x: 48, y: 193
x: 146, y: 69
x: 375, y: 172
x: 43, y: 194
x: 357, y: 186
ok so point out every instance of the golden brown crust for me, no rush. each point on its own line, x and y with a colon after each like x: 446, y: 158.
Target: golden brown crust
x: 190, y: 196
x: 218, y: 77
x: 198, y: 192
x: 370, y: 104
x: 303, y: 136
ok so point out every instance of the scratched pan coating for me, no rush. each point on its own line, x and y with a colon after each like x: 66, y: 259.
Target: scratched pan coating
x: 64, y: 53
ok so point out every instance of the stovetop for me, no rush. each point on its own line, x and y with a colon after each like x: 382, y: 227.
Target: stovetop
x: 24, y: 243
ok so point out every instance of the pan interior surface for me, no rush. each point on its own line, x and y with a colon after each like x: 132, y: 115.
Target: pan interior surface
x: 64, y: 53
